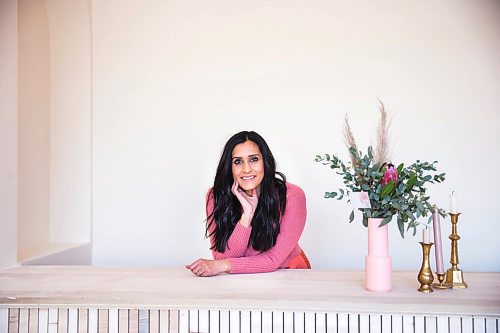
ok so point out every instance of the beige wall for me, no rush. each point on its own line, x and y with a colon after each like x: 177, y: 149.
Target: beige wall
x: 8, y: 133
x: 70, y: 115
x: 174, y: 79
x: 33, y: 116
x: 54, y: 126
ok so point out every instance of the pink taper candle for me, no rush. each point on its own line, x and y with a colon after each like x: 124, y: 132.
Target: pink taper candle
x: 437, y: 240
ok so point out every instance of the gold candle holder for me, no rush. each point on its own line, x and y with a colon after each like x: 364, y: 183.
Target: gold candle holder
x: 441, y: 284
x: 425, y: 276
x: 454, y: 275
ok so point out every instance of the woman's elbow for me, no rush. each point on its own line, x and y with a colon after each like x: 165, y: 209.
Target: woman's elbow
x: 273, y: 265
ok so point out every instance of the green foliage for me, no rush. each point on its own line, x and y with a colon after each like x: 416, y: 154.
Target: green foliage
x: 405, y: 199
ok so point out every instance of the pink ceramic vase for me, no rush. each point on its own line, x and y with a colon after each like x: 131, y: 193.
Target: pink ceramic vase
x: 378, y: 263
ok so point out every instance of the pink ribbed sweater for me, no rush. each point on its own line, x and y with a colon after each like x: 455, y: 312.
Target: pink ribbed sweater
x: 244, y: 259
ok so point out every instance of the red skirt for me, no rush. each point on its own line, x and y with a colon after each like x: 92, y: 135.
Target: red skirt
x: 300, y: 262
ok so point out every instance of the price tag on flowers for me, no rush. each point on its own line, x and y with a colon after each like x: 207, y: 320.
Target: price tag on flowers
x: 359, y: 200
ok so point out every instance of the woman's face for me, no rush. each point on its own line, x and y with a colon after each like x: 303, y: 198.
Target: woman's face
x: 248, y: 166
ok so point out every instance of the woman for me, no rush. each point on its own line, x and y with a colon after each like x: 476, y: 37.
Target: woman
x: 254, y: 217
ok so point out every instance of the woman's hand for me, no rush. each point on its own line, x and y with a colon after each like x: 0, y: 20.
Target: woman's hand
x: 248, y: 203
x: 205, y: 267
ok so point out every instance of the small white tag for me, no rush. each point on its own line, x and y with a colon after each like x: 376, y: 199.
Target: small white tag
x: 359, y: 200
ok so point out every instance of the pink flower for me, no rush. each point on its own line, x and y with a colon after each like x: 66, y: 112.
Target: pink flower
x: 391, y: 174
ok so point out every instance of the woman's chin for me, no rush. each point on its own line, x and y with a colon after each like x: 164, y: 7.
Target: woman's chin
x: 247, y: 187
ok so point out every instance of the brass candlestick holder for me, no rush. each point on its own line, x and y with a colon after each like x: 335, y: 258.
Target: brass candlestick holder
x: 425, y: 276
x: 454, y: 275
x: 441, y: 282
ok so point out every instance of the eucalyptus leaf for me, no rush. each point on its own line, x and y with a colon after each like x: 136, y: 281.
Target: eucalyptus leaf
x: 419, y: 206
x: 406, y: 198
x: 410, y: 215
x: 330, y: 195
x: 385, y: 221
x: 427, y: 178
x: 401, y: 227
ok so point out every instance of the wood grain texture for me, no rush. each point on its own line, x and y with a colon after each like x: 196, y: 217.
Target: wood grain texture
x: 154, y: 321
x: 123, y: 321
x: 82, y: 321
x: 24, y: 320
x: 103, y: 320
x: 286, y: 290
x: 13, y: 320
x: 78, y: 320
x: 133, y: 321
x: 62, y: 324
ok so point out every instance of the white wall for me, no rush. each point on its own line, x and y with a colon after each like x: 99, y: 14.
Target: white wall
x: 33, y: 127
x: 8, y: 133
x: 70, y: 120
x: 52, y: 125
x: 174, y: 79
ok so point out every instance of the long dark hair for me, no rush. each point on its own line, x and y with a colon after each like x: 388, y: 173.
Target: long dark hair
x: 227, y: 209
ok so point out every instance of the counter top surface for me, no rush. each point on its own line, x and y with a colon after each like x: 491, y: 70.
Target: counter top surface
x: 305, y: 290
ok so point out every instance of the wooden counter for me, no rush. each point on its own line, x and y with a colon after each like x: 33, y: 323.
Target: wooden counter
x: 97, y: 299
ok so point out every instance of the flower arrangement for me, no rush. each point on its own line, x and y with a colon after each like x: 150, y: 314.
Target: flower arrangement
x: 392, y: 191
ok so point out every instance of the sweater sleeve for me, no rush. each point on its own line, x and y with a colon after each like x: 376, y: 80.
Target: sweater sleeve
x: 292, y: 225
x: 237, y: 242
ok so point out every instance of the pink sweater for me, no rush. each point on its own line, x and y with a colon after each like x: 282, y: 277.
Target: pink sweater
x: 247, y: 260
